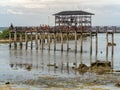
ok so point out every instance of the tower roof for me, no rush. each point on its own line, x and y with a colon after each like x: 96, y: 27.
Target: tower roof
x: 73, y: 13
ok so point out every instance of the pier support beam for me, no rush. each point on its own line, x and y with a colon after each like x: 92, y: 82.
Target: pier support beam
x: 36, y: 41
x: 75, y: 41
x: 21, y: 41
x: 10, y: 39
x: 90, y: 43
x: 48, y: 41
x: 42, y: 41
x: 55, y: 41
x: 31, y: 37
x: 26, y: 41
x: 112, y: 43
x: 81, y: 43
x: 15, y: 40
x: 90, y: 48
x: 96, y: 45
x: 107, y: 46
x: 40, y: 38
x: 112, y: 53
x: 61, y: 41
x: 67, y: 41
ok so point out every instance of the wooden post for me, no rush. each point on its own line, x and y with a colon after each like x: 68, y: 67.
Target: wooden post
x: 67, y: 41
x: 47, y: 38
x: 36, y: 40
x: 42, y: 41
x: 96, y: 44
x: 112, y: 43
x: 51, y: 38
x: 61, y: 41
x: 21, y: 40
x: 44, y: 37
x: 75, y: 41
x: 55, y: 41
x: 90, y: 43
x: 9, y: 39
x: 90, y: 48
x: 40, y: 38
x: 48, y: 41
x: 112, y: 64
x: 107, y: 46
x: 81, y: 43
x: 31, y: 37
x: 26, y: 40
x: 15, y: 40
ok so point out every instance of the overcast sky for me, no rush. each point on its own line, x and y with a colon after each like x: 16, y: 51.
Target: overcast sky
x: 36, y: 12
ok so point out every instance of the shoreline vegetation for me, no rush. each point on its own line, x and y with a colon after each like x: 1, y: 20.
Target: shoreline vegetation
x: 4, y: 36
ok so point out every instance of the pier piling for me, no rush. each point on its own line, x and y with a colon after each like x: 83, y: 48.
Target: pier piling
x: 10, y: 39
x: 55, y: 41
x: 26, y: 40
x: 90, y: 43
x: 96, y: 45
x: 107, y: 46
x: 15, y: 40
x: 36, y: 40
x: 21, y: 40
x: 75, y: 41
x: 112, y: 52
x: 61, y: 41
x: 31, y: 37
x: 67, y: 41
x: 81, y: 43
x: 48, y: 41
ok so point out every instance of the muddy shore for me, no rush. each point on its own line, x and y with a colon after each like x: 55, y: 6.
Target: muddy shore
x: 88, y: 81
x: 4, y: 40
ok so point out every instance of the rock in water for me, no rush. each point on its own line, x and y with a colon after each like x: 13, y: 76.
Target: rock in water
x: 28, y: 67
x: 7, y: 83
x: 83, y: 68
x: 117, y: 84
x: 101, y: 67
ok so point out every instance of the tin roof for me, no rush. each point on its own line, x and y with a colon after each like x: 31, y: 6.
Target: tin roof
x: 73, y: 13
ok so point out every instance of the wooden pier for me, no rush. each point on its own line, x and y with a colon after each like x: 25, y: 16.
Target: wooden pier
x: 69, y: 25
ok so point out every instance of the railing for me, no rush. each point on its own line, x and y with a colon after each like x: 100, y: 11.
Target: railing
x: 85, y: 29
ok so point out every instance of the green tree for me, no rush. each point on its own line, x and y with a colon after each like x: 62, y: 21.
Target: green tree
x: 4, y: 34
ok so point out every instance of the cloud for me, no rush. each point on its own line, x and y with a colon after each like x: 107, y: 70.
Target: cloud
x: 25, y: 3
x: 10, y: 11
x: 55, y: 5
x: 40, y: 9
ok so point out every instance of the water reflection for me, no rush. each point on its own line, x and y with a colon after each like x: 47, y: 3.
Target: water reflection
x: 57, y: 62
x: 55, y: 67
x: 67, y: 62
x: 62, y: 62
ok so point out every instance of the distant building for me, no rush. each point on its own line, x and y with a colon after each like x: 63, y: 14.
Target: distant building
x: 73, y: 20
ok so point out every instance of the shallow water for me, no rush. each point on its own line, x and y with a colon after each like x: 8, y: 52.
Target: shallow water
x: 13, y: 62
